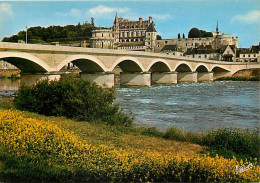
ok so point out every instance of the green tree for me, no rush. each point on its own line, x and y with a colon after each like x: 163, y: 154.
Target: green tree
x: 194, y: 33
x: 158, y: 37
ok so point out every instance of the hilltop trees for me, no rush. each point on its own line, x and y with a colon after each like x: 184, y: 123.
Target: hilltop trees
x: 196, y: 33
x: 55, y: 33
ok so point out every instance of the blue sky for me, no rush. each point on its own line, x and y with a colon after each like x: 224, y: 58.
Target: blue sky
x: 237, y: 17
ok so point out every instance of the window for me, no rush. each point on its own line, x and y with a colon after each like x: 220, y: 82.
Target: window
x: 254, y: 55
x: 244, y: 55
x: 248, y: 55
x: 191, y: 44
x: 193, y: 56
x: 227, y: 52
x: 205, y: 56
x: 148, y: 34
x: 166, y: 42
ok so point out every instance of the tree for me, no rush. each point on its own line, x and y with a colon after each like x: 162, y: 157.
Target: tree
x: 179, y: 36
x: 208, y: 34
x: 158, y: 37
x: 183, y: 36
x: 194, y: 33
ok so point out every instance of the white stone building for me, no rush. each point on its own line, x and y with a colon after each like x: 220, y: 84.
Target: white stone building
x: 127, y: 35
x: 249, y: 54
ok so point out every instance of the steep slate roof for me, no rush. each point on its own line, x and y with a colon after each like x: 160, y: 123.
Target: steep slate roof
x: 151, y: 28
x: 170, y: 48
x: 224, y: 47
x: 201, y: 50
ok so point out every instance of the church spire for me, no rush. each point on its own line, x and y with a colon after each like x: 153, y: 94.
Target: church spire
x: 116, y: 19
x: 217, y: 28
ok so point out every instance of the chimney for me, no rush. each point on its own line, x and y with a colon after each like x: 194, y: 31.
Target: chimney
x: 150, y: 19
x: 140, y: 20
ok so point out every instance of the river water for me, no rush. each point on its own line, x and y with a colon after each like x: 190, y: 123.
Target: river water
x: 196, y: 107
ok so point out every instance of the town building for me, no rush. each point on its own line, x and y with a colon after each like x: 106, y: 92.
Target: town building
x: 5, y: 65
x: 217, y: 41
x: 249, y: 54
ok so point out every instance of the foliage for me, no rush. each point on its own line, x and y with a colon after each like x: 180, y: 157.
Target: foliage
x: 241, y: 143
x: 32, y: 150
x: 73, y: 98
x: 196, y: 33
x: 158, y: 37
x: 54, y: 33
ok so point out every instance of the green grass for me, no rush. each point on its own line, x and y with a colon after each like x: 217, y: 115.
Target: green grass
x: 131, y: 138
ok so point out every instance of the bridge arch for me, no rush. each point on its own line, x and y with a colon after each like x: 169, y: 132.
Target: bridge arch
x: 25, y: 62
x: 159, y: 66
x: 86, y: 63
x: 128, y: 64
x: 183, y: 67
x: 219, y: 71
x: 201, y: 68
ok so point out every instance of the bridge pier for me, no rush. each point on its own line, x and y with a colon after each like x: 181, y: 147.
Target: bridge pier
x: 101, y: 78
x: 135, y: 79
x: 205, y: 76
x: 164, y: 77
x: 30, y: 79
x: 187, y: 77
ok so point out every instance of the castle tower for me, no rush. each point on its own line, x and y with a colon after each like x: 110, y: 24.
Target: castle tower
x: 115, y: 29
x: 150, y: 37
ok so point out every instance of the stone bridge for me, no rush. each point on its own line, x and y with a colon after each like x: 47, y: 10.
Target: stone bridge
x: 100, y: 65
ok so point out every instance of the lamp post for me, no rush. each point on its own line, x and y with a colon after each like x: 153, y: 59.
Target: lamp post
x: 26, y: 35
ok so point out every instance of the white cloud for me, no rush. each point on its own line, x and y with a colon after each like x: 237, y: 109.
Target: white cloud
x: 6, y: 8
x: 76, y: 12
x: 249, y: 18
x: 73, y: 13
x: 161, y: 16
x: 101, y: 10
x: 5, y: 11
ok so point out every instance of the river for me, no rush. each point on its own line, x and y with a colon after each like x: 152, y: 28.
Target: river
x: 196, y: 107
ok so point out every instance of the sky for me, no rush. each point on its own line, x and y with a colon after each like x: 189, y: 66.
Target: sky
x: 237, y: 17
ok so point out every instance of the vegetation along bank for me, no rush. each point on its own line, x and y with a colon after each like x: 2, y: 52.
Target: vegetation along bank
x: 36, y: 147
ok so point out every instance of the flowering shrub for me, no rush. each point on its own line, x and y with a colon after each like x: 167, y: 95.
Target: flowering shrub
x: 34, y: 150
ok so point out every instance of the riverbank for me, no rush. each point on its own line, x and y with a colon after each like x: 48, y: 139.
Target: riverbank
x: 39, y: 148
x: 239, y: 78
